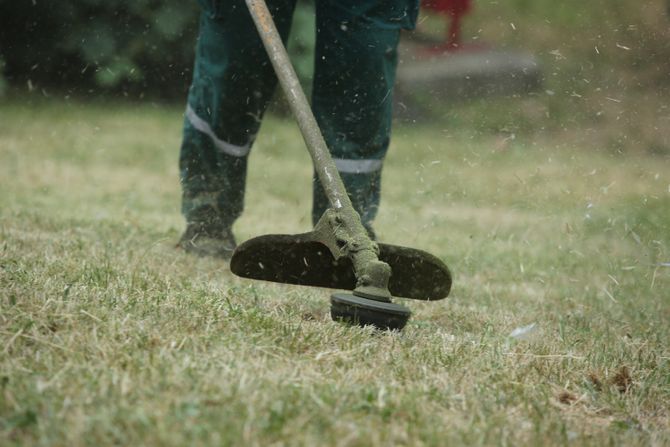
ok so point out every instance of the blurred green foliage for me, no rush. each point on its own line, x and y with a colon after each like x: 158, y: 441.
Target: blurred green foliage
x: 96, y: 43
x: 142, y: 46
x: 3, y: 83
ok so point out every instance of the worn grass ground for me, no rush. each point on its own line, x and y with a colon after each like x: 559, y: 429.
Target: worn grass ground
x: 111, y: 336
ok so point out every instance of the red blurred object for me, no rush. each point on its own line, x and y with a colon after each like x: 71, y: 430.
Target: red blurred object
x: 455, y: 10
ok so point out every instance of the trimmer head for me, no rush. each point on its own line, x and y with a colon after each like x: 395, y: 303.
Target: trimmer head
x: 303, y: 259
x: 354, y: 309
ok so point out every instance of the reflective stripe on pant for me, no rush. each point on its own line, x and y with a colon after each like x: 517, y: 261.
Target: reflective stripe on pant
x: 233, y: 83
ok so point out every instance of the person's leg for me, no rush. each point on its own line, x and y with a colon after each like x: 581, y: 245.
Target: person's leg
x: 233, y: 82
x: 356, y: 58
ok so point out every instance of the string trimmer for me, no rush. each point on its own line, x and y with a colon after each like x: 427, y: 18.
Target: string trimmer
x: 338, y: 253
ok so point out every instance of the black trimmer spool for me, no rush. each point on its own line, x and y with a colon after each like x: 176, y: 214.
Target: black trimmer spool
x: 356, y: 310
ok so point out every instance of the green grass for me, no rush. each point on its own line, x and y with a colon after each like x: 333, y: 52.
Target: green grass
x: 111, y: 336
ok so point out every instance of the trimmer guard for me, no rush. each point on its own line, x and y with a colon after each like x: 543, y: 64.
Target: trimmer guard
x: 303, y: 260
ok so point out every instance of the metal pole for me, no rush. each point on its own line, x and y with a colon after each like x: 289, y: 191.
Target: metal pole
x: 372, y: 275
x: 325, y: 167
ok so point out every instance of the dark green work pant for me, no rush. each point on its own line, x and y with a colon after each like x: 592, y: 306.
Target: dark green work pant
x: 233, y: 81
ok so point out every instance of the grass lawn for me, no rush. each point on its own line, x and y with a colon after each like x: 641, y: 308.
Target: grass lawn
x: 111, y: 336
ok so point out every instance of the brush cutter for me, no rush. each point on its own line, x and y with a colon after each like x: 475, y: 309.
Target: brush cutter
x: 338, y: 253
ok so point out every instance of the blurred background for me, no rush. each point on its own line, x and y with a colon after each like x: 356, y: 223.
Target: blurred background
x: 591, y: 73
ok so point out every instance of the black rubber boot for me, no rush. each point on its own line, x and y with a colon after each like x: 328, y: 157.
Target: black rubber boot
x: 203, y: 240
